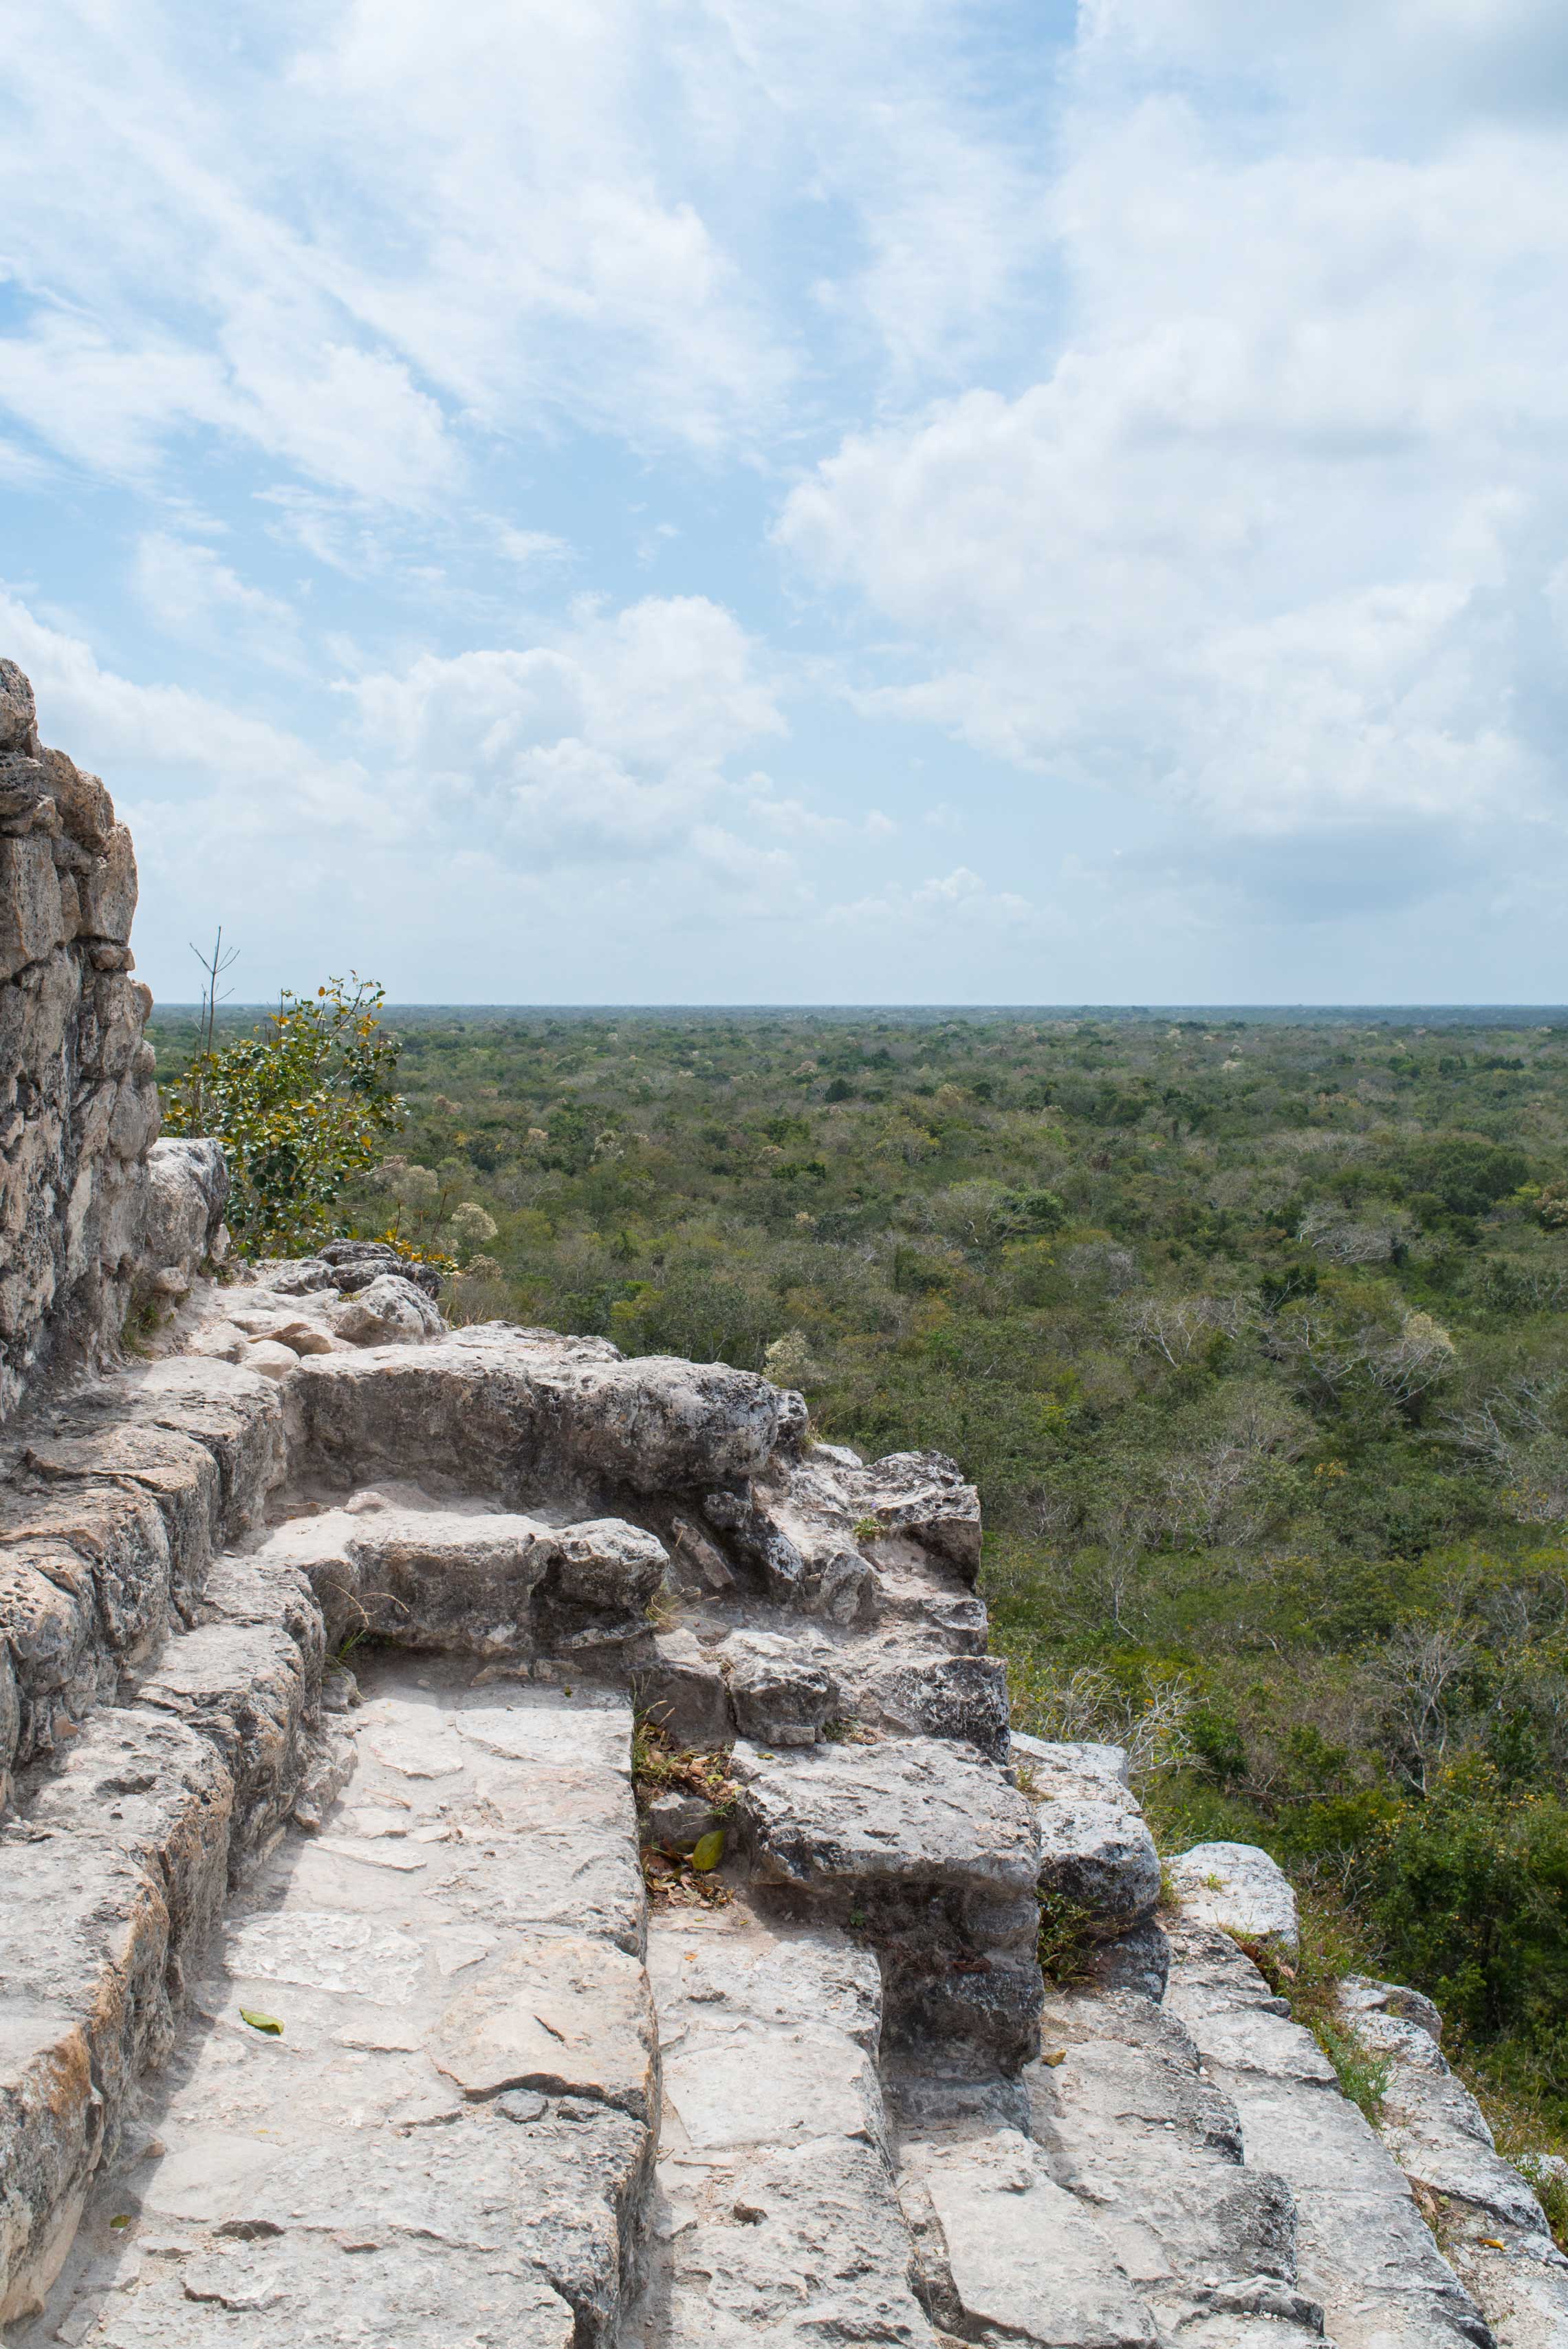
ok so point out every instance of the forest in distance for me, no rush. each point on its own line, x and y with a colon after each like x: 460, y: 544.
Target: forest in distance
x: 1252, y: 1327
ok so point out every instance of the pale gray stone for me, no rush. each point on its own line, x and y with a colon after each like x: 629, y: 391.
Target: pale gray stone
x: 1363, y: 2250
x: 928, y: 1852
x: 559, y: 2012
x: 683, y: 1691
x: 386, y: 1312
x: 1096, y: 1772
x: 1098, y: 1859
x: 1238, y: 1888
x: 780, y: 1688
x: 677, y: 1822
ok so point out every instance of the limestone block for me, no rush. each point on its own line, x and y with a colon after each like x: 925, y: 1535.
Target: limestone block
x: 761, y: 1540
x: 847, y: 1587
x: 85, y: 809
x: 274, y: 1361
x: 923, y: 1496
x: 438, y: 1577
x: 911, y: 1810
x: 932, y: 1853
x: 1238, y: 1888
x: 559, y: 2012
x: 187, y: 1189
x: 18, y: 712
x: 305, y: 1277
x: 781, y: 1691
x: 387, y: 1312
x: 1098, y: 1859
x: 106, y: 889
x: 134, y: 1120
x: 1096, y: 1772
x: 607, y: 1563
x: 32, y: 921
x: 677, y: 1822
x: 1437, y: 2132
x: 1359, y: 1997
x: 697, y: 1562
x: 962, y: 1697
x: 1008, y: 2254
x: 353, y: 1264
x: 684, y: 1693
x: 502, y: 1408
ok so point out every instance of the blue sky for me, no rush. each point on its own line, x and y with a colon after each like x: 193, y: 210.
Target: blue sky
x: 803, y: 499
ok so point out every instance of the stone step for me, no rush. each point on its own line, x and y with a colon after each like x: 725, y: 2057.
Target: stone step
x: 1495, y: 2235
x: 929, y: 1855
x: 112, y: 1507
x: 1362, y: 2247
x: 458, y: 2113
x: 1121, y: 2214
x: 777, y: 2219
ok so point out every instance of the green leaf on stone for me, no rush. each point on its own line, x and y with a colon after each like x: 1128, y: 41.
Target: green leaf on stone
x: 710, y: 1851
x: 267, y: 2022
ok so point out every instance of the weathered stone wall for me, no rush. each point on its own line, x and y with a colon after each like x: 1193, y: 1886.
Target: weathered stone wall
x: 80, y: 1225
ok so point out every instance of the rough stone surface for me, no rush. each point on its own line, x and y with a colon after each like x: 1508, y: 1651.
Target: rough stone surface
x: 404, y: 1953
x: 386, y: 1310
x: 1494, y: 2230
x: 776, y: 2215
x: 780, y: 1688
x: 928, y: 1852
x: 516, y: 1409
x: 78, y: 1107
x: 1240, y: 1889
x: 684, y: 1693
x: 1098, y: 1859
x: 1363, y: 2250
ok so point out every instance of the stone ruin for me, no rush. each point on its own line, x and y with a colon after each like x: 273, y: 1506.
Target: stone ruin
x: 369, y: 1691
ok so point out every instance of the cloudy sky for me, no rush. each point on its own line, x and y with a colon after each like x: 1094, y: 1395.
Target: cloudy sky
x: 803, y: 499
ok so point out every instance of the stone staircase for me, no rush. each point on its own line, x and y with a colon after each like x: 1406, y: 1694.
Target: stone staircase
x: 333, y: 2004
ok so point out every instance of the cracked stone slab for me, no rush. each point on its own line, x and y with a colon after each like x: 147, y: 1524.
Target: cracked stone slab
x: 560, y: 2013
x: 1008, y: 2254
x: 777, y: 2217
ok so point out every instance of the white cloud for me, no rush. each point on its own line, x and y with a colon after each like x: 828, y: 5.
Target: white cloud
x: 1270, y: 539
x: 956, y: 900
x: 529, y: 549
x: 198, y: 599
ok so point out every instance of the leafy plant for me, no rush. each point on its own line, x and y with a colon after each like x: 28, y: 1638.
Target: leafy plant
x: 1065, y: 1944
x: 299, y: 1107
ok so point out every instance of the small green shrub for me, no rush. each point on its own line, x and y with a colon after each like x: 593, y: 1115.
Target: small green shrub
x: 298, y: 1107
x: 1065, y: 1943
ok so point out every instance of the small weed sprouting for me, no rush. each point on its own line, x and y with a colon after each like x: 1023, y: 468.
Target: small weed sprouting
x: 1025, y: 1779
x: 1548, y: 2180
x: 141, y: 1325
x: 1362, y: 2076
x: 1310, y: 1982
x: 661, y: 1610
x: 869, y: 1529
x: 1066, y: 1944
x: 848, y: 1732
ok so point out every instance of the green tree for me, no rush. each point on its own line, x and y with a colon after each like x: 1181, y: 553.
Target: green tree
x: 299, y: 1107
